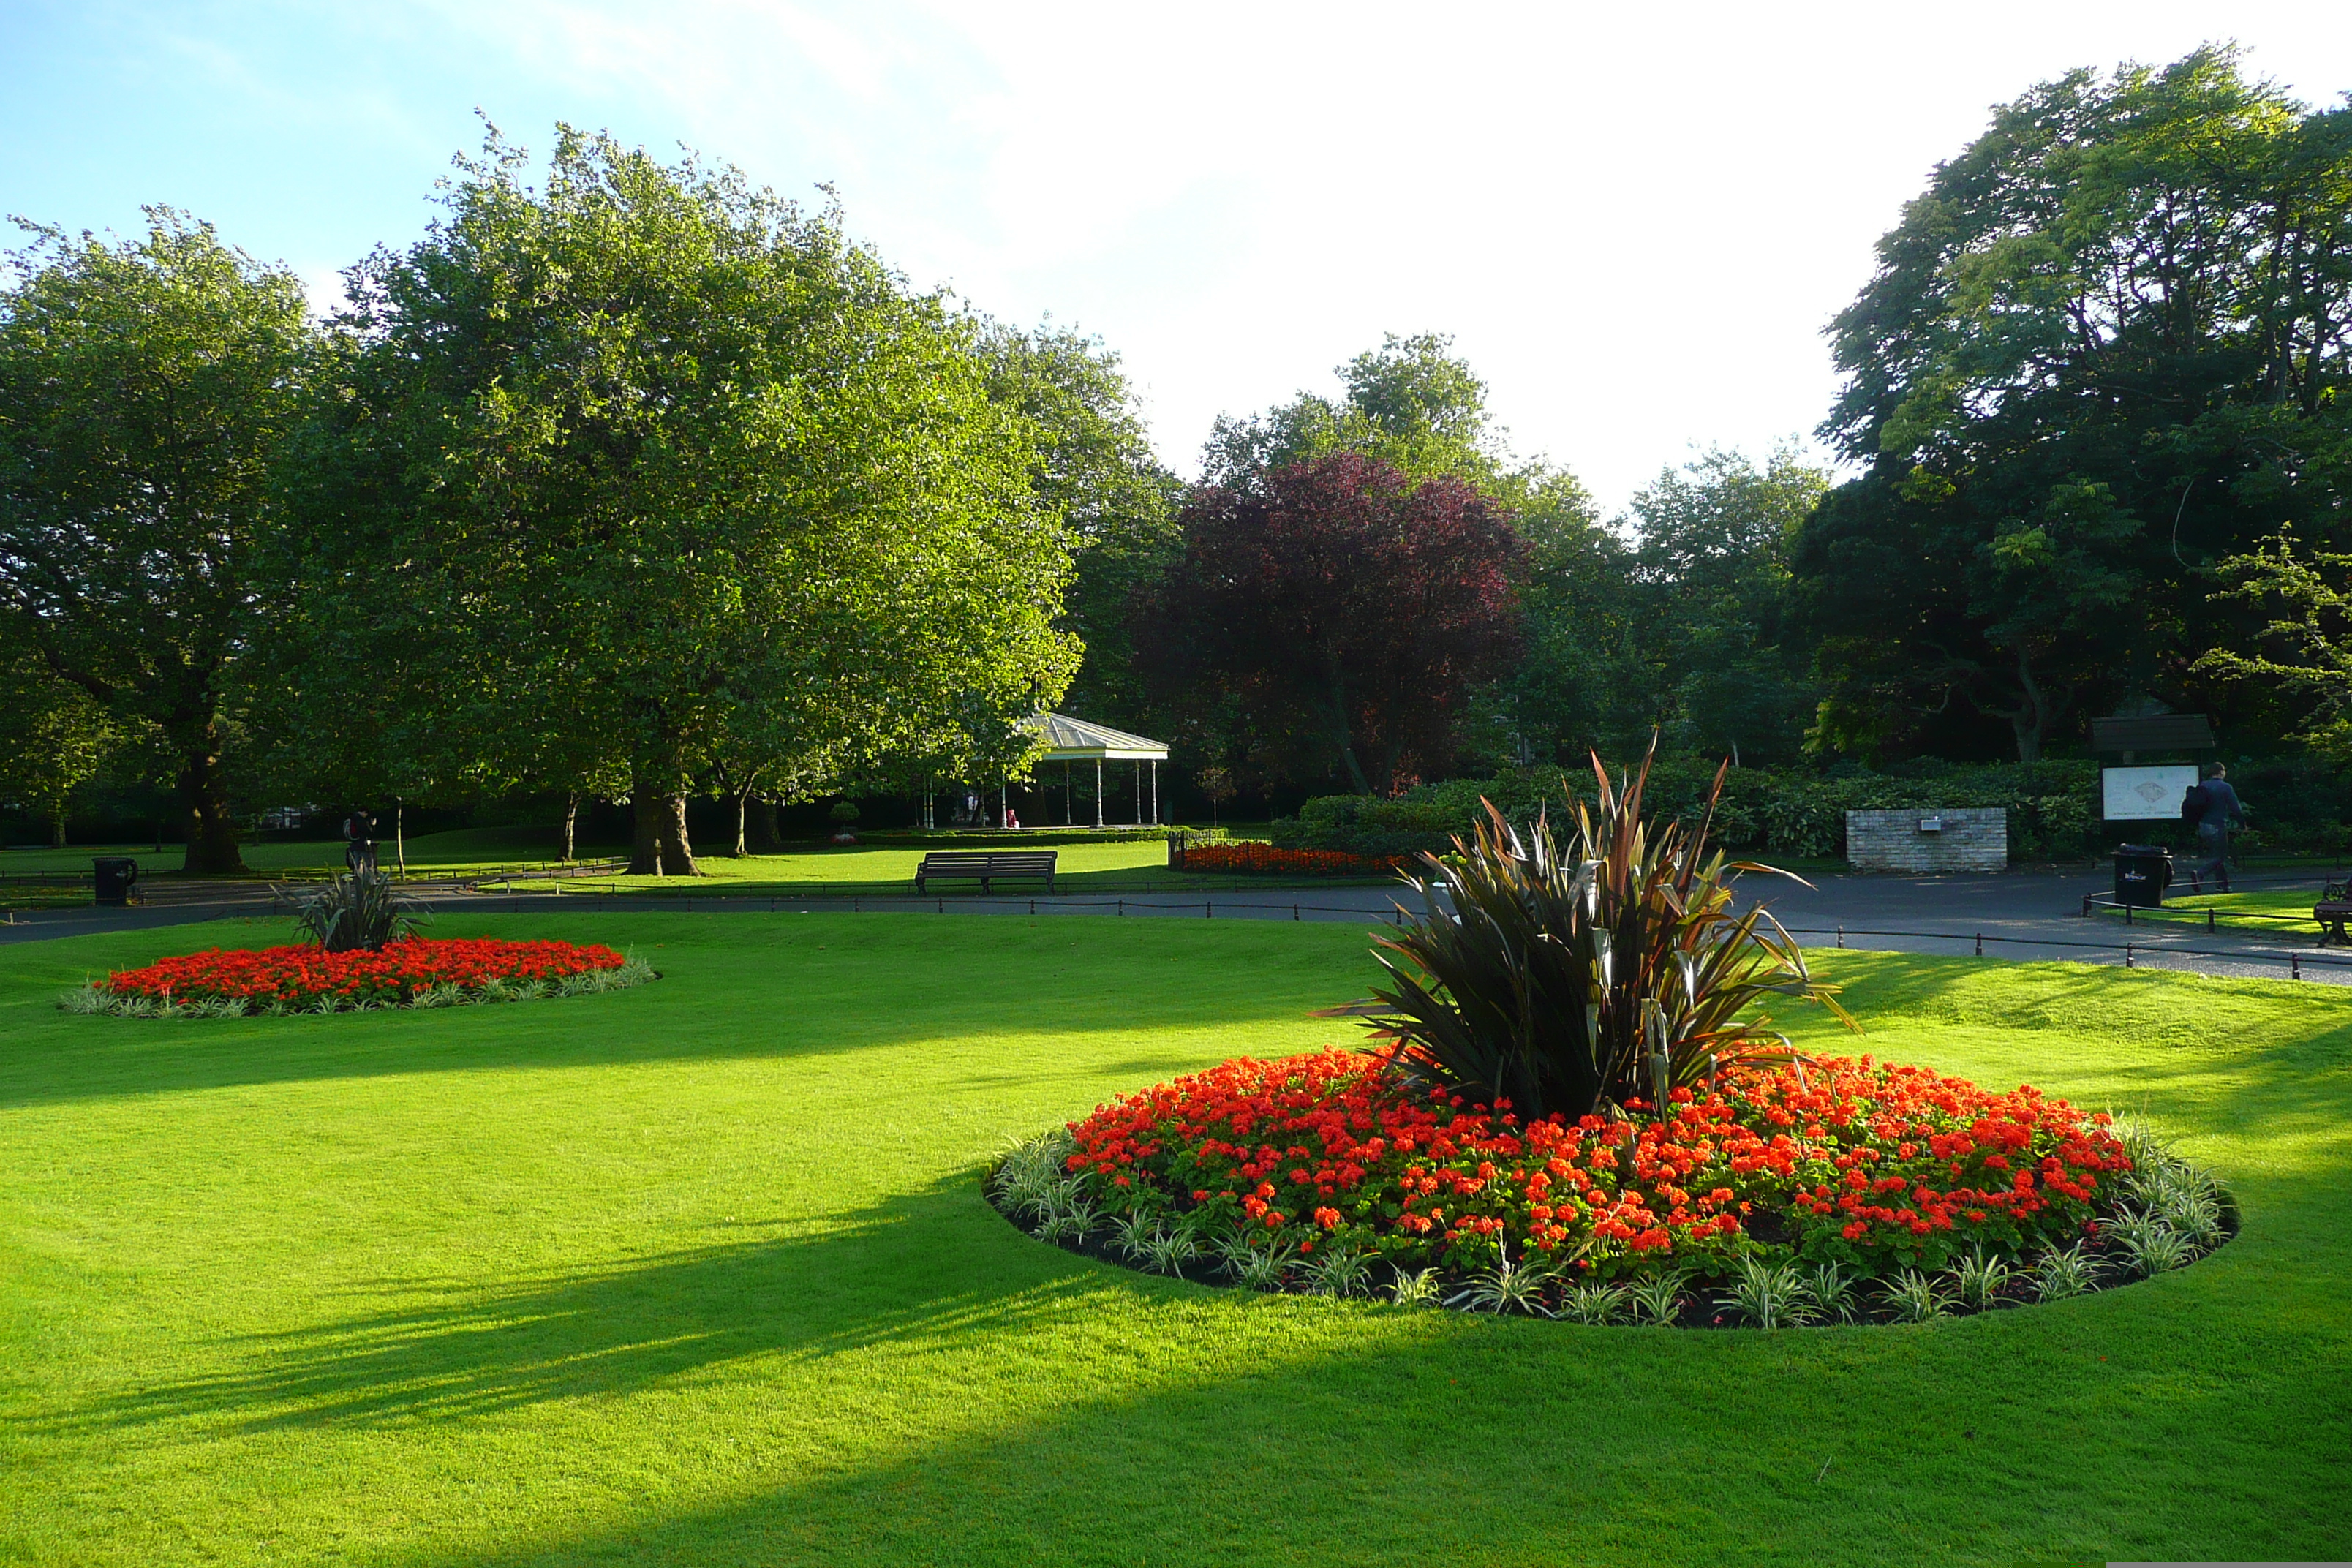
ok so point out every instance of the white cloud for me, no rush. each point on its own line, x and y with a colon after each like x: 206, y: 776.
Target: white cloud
x: 1636, y: 220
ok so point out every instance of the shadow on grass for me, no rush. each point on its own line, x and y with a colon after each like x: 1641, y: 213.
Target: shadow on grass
x: 1354, y: 1435
x: 733, y: 987
x: 936, y: 1267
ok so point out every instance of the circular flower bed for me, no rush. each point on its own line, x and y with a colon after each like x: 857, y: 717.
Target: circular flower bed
x: 409, y: 972
x: 1254, y: 859
x: 1838, y: 1188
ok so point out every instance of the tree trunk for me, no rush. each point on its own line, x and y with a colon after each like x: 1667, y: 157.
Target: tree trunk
x: 571, y: 823
x: 743, y: 805
x: 2033, y: 714
x: 1341, y: 733
x: 676, y: 851
x: 645, y: 847
x: 765, y: 838
x: 57, y: 827
x: 212, y: 833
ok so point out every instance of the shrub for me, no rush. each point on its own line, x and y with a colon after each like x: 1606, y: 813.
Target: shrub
x: 1578, y: 980
x: 2052, y: 807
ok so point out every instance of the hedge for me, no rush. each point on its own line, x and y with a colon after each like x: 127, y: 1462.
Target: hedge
x: 2054, y: 807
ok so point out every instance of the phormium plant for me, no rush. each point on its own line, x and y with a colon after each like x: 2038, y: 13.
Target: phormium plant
x: 1577, y: 978
x: 356, y: 912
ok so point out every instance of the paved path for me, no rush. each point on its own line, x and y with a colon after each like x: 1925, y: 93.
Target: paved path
x: 2020, y: 915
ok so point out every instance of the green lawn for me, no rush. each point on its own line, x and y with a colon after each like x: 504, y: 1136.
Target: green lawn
x: 1135, y: 864
x: 2280, y: 913
x: 1083, y: 868
x: 459, y: 850
x: 700, y: 1273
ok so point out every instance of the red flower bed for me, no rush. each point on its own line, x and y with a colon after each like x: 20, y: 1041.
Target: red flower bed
x: 1266, y: 857
x: 1867, y: 1163
x: 297, y: 976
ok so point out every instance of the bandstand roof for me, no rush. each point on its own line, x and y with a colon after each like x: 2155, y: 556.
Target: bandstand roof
x: 1070, y: 740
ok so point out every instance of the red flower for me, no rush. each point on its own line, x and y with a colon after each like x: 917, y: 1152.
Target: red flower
x: 1375, y: 1148
x: 296, y: 976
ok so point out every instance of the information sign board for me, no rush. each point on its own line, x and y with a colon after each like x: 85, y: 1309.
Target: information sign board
x: 2145, y: 795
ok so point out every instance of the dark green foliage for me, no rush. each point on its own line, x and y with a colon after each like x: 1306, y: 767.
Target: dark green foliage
x: 2052, y: 807
x: 2104, y: 352
x: 1578, y: 978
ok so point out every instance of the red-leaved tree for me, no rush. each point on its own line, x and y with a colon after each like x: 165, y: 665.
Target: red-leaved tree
x: 1343, y: 605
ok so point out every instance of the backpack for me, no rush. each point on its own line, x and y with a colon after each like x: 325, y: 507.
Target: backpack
x: 2193, y: 802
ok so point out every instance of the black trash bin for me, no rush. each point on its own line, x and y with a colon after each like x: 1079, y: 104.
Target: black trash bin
x: 117, y: 875
x: 2142, y: 873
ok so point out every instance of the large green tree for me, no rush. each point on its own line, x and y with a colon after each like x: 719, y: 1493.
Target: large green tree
x: 1710, y: 586
x: 1094, y: 469
x: 2104, y: 350
x: 146, y: 388
x: 642, y: 468
x: 54, y: 737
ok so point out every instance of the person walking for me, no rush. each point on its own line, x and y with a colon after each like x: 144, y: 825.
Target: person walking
x: 2221, y: 808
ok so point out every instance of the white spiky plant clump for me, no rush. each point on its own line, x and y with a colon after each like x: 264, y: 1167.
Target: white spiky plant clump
x: 1508, y: 1287
x: 1343, y: 1271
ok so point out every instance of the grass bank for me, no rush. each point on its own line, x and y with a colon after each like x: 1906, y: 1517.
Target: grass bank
x: 700, y: 1273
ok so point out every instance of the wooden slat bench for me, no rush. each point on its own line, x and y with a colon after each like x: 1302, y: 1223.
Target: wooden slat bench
x: 2335, y: 907
x: 986, y: 866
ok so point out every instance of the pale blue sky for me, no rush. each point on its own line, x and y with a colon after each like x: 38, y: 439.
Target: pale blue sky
x: 1635, y: 220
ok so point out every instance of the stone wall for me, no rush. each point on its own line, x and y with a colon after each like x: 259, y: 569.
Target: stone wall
x: 1970, y: 839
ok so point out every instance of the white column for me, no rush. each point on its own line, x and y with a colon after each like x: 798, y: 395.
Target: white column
x: 1099, y: 821
x: 1155, y: 792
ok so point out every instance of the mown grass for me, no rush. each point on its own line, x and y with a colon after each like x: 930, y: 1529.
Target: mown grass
x: 700, y: 1273
x: 1140, y: 865
x: 2280, y: 913
x: 457, y: 851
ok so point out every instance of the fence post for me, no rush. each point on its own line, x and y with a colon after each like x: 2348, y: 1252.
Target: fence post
x: 944, y: 906
x: 1122, y: 906
x: 1033, y: 906
x: 2208, y: 919
x: 1841, y: 936
x: 2127, y: 956
x: 1294, y: 912
x: 1208, y: 908
x: 1980, y: 944
x: 853, y: 903
x: 2128, y: 914
x: 2294, y: 966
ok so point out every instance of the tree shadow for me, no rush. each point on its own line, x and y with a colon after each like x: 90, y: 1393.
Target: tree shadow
x: 1447, y: 1439
x: 936, y: 1265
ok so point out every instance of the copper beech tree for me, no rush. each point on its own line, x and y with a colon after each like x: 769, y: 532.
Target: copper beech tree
x: 1344, y: 606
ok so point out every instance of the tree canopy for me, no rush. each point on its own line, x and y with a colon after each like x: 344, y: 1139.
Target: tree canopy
x: 1346, y: 609
x: 644, y: 471
x: 145, y: 389
x: 2104, y: 351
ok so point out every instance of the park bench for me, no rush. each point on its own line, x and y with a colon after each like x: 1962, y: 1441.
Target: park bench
x: 986, y: 866
x: 2335, y: 907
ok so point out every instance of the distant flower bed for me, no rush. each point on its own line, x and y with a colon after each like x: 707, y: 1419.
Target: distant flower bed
x: 410, y: 972
x: 1842, y: 1188
x: 1266, y: 859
